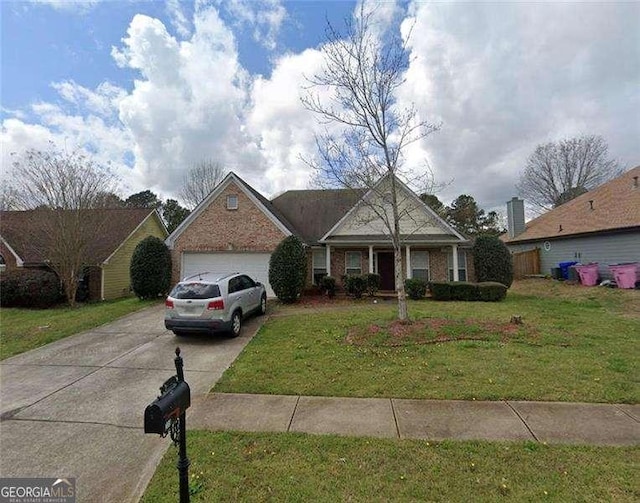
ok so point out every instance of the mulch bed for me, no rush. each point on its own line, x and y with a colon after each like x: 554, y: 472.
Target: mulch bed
x: 430, y: 331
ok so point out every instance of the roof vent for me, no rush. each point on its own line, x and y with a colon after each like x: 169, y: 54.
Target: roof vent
x: 635, y: 182
x: 560, y: 228
x: 591, y: 204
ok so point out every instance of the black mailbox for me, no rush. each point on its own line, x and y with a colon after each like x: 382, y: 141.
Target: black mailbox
x: 174, y: 400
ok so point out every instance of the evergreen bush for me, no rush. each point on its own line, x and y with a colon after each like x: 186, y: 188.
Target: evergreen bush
x: 462, y: 290
x: 37, y: 288
x: 328, y: 286
x: 150, y: 268
x: 492, y: 261
x: 490, y: 291
x: 355, y: 285
x: 373, y: 283
x: 440, y: 290
x: 415, y: 288
x: 288, y: 269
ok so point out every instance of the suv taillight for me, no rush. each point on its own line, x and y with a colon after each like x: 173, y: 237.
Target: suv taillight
x: 217, y: 304
x: 168, y: 304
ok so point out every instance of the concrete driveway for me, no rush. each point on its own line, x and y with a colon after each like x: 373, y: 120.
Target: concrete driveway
x: 74, y: 408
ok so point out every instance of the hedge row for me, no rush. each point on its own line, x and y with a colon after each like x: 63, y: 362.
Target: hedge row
x: 488, y: 291
x: 30, y: 288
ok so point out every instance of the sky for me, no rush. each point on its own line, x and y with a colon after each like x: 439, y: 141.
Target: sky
x: 151, y: 87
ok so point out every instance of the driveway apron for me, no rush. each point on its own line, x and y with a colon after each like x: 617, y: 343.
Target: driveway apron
x: 74, y: 408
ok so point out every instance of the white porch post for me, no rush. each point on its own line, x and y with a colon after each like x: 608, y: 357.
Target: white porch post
x: 327, y: 257
x: 371, y: 258
x: 454, y: 249
x: 408, y: 262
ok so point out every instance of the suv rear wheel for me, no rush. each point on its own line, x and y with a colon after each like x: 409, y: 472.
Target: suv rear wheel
x: 236, y: 324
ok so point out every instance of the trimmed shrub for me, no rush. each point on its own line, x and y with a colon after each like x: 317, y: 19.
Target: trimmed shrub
x: 373, y: 283
x: 150, y: 268
x: 462, y: 290
x: 440, y: 290
x: 415, y: 288
x: 355, y: 285
x: 288, y: 269
x: 491, y: 291
x: 487, y: 291
x: 492, y: 261
x: 328, y: 286
x: 36, y: 288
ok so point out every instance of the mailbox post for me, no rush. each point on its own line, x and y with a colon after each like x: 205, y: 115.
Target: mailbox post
x: 167, y: 415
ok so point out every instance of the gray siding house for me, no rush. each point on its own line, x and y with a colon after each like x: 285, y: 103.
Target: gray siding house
x: 602, y: 225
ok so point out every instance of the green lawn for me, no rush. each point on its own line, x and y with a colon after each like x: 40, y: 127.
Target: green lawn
x: 25, y: 329
x: 575, y: 344
x: 297, y: 467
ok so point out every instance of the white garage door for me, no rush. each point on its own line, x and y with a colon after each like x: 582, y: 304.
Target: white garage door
x: 255, y: 265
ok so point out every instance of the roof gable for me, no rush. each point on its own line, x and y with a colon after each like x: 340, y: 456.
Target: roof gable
x: 417, y: 218
x: 256, y: 198
x: 612, y: 206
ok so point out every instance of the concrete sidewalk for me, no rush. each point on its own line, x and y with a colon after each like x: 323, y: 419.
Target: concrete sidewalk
x: 551, y: 422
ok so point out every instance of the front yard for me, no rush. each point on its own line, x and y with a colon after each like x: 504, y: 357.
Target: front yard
x: 295, y: 467
x: 26, y: 329
x: 574, y: 344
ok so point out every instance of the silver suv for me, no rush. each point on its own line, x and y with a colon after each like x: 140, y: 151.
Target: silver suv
x: 207, y: 302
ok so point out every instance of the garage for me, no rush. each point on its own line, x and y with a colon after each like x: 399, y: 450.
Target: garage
x: 255, y: 265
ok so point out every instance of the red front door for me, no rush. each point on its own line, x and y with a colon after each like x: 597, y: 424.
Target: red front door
x: 386, y: 271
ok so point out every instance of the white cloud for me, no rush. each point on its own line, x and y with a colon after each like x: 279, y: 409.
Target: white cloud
x: 264, y: 17
x: 504, y: 78
x: 78, y: 6
x: 189, y: 104
x: 178, y: 18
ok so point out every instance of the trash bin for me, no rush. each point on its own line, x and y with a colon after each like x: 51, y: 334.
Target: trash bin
x: 588, y: 274
x: 564, y: 266
x: 556, y: 273
x: 624, y: 274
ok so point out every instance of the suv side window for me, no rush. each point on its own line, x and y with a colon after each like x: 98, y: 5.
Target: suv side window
x: 234, y: 285
x: 247, y: 282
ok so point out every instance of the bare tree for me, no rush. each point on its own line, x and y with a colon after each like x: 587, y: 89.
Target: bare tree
x: 362, y: 72
x: 65, y: 189
x: 199, y: 181
x: 557, y: 172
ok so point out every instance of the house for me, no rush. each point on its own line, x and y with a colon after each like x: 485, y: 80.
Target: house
x: 602, y: 225
x: 109, y: 255
x: 236, y: 229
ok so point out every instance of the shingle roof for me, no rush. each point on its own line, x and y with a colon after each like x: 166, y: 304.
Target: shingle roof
x: 312, y: 213
x: 616, y: 206
x: 21, y: 231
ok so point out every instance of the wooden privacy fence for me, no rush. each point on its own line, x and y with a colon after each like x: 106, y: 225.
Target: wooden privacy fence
x: 526, y: 263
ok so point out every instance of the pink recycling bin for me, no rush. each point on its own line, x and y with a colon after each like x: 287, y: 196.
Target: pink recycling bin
x: 624, y: 274
x: 588, y: 274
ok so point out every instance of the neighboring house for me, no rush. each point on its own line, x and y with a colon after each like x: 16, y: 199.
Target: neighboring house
x: 236, y: 229
x: 602, y: 225
x: 109, y: 255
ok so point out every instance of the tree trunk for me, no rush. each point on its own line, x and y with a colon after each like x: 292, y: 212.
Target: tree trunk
x: 403, y: 314
x: 70, y: 285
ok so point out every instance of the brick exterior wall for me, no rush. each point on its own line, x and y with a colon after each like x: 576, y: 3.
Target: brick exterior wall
x: 219, y: 229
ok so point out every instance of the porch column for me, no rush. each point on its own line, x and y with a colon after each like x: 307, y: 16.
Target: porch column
x: 327, y: 257
x: 408, y: 262
x: 370, y: 258
x: 454, y: 249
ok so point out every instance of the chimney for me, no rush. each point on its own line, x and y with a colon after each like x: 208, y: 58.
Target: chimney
x: 515, y: 217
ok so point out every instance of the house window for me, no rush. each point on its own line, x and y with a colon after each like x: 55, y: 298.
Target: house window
x: 462, y: 265
x: 232, y: 202
x: 353, y: 262
x: 420, y: 265
x: 319, y: 265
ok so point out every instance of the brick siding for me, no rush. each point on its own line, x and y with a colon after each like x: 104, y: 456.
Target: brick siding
x: 219, y: 229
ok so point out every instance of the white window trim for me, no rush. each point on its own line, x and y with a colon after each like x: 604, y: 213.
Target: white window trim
x: 315, y: 268
x: 346, y: 261
x: 428, y: 268
x: 229, y: 206
x: 462, y: 266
